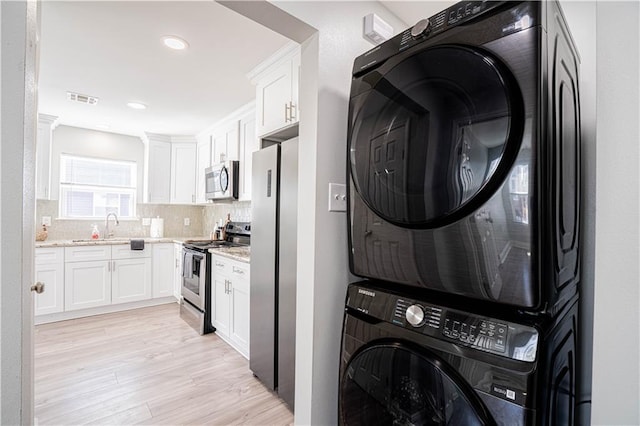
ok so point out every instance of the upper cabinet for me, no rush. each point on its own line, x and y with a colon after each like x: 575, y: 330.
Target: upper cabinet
x: 225, y: 141
x: 232, y: 138
x: 183, y: 172
x: 46, y: 124
x: 276, y: 81
x: 170, y: 164
x: 157, y: 184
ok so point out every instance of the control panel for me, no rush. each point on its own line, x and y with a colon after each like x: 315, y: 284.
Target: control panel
x: 423, y: 29
x: 482, y: 333
x: 504, y: 338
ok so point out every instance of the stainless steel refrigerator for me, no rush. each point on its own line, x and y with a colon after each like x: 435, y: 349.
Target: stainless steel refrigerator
x: 274, y: 201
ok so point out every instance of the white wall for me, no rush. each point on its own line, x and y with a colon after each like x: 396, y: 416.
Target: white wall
x: 92, y: 143
x: 17, y: 199
x: 616, y: 394
x: 323, y: 271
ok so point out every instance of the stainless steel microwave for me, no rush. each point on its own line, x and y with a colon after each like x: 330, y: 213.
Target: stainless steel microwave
x: 221, y: 181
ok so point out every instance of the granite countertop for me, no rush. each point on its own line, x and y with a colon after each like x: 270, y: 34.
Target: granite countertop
x: 113, y: 241
x: 242, y: 254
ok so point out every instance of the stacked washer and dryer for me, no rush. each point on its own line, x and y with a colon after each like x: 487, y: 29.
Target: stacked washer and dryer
x: 464, y: 218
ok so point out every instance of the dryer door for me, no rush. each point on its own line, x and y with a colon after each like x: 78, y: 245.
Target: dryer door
x: 402, y: 384
x: 435, y: 136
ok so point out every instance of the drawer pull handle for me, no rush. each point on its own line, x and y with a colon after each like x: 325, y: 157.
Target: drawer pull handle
x: 238, y: 271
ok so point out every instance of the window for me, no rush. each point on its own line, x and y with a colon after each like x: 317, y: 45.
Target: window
x: 93, y: 187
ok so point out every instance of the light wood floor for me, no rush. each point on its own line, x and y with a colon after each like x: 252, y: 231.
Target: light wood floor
x: 145, y: 366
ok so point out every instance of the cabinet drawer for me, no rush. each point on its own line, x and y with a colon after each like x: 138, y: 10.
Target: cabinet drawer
x: 219, y: 265
x: 123, y: 251
x: 239, y: 270
x: 49, y: 255
x: 87, y: 253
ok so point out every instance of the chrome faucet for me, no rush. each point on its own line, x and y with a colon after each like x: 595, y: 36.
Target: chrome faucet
x: 109, y: 234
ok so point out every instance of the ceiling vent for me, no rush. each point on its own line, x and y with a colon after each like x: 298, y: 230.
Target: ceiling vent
x: 83, y: 99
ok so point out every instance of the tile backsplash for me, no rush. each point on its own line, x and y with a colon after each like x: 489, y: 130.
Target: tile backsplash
x: 202, y: 220
x: 240, y: 212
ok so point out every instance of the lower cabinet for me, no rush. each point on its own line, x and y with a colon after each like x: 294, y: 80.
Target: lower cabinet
x: 130, y: 280
x: 230, y: 301
x: 110, y: 279
x: 49, y: 268
x: 163, y: 270
x: 85, y: 277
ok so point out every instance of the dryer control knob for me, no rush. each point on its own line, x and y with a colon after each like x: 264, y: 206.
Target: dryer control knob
x: 421, y: 28
x: 415, y: 315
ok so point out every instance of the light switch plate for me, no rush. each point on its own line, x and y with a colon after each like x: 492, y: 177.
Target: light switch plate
x: 46, y: 220
x: 146, y: 221
x: 337, y: 197
x: 187, y: 221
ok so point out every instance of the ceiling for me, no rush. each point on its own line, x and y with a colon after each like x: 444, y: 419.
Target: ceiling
x: 113, y: 50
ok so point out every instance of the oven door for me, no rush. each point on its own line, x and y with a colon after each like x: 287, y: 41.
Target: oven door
x: 194, y: 277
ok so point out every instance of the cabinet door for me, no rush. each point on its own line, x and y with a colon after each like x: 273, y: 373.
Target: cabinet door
x: 225, y: 142
x: 131, y: 280
x: 183, y: 176
x: 203, y: 159
x: 163, y: 270
x: 43, y: 155
x: 239, y: 332
x: 52, y: 276
x: 220, y: 304
x: 177, y: 276
x: 87, y: 284
x: 273, y: 96
x: 248, y: 144
x: 158, y: 173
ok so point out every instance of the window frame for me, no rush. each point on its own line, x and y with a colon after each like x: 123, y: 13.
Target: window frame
x: 98, y: 190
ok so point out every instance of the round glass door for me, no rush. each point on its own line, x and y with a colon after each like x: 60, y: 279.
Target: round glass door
x: 396, y: 385
x: 435, y: 136
x: 224, y: 179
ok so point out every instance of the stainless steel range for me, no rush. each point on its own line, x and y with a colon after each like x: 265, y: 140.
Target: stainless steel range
x: 195, y: 306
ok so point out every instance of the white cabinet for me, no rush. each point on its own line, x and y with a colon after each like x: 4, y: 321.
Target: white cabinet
x: 203, y: 160
x: 225, y: 142
x: 87, y: 277
x: 230, y: 302
x: 277, y: 91
x: 163, y: 270
x: 183, y: 173
x: 49, y: 268
x: 249, y: 143
x: 157, y: 169
x: 103, y: 275
x: 130, y: 280
x: 177, y: 275
x: 44, y: 139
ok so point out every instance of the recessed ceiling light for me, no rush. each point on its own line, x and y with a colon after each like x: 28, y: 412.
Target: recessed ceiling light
x: 173, y: 42
x: 136, y: 105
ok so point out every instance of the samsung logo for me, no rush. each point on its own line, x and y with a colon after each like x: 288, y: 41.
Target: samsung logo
x: 366, y: 292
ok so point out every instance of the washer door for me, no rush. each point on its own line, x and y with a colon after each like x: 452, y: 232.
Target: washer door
x: 435, y: 135
x: 399, y: 384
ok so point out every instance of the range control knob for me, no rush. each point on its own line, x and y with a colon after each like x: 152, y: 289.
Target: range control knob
x: 421, y: 28
x: 415, y: 315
